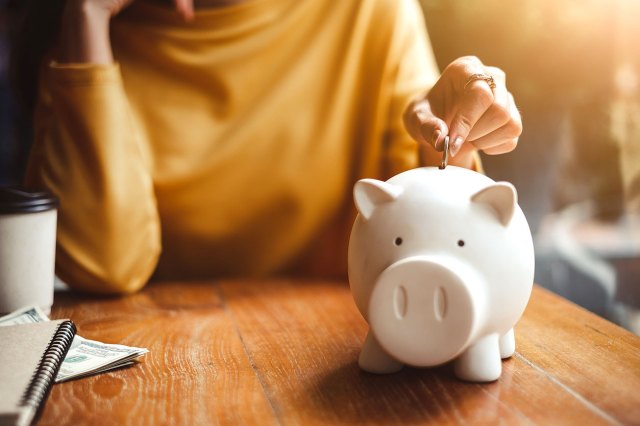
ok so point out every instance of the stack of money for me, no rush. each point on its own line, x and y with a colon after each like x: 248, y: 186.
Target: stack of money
x: 86, y: 357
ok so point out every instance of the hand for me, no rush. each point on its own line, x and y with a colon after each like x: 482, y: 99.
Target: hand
x: 474, y: 117
x: 110, y: 8
x: 84, y: 36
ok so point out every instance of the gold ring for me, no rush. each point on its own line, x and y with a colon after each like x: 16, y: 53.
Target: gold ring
x: 485, y: 77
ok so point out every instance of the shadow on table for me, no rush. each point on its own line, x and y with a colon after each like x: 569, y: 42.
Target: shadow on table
x: 350, y: 395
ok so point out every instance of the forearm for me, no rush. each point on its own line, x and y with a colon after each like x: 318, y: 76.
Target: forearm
x: 89, y: 152
x: 84, y: 37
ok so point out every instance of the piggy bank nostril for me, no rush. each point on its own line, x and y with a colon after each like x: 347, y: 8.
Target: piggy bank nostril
x: 400, y: 301
x: 440, y: 303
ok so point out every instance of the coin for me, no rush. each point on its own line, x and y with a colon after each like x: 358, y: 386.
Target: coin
x: 445, y: 154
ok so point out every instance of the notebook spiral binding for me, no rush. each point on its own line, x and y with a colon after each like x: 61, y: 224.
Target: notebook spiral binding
x: 45, y: 375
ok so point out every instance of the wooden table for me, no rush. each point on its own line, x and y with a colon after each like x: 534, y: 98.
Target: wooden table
x: 284, y: 352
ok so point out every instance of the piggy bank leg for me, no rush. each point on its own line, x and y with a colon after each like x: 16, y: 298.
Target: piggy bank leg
x: 481, y: 361
x: 374, y: 359
x: 507, y: 344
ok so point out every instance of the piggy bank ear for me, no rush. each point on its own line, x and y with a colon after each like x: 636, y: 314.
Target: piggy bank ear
x: 501, y: 198
x: 368, y: 194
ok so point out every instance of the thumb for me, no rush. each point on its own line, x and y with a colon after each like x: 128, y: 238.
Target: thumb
x: 424, y: 126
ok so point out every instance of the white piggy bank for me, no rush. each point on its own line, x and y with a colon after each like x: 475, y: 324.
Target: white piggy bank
x: 441, y: 266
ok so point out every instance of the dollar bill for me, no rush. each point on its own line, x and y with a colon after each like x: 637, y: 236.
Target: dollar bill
x: 27, y: 315
x: 88, y: 357
x: 85, y: 357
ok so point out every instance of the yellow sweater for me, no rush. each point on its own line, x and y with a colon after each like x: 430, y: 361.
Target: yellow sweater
x: 229, y: 145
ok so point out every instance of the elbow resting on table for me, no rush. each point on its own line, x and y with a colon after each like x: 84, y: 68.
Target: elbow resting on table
x: 115, y: 277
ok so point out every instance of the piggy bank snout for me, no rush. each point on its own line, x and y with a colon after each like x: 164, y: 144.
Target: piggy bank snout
x: 423, y: 312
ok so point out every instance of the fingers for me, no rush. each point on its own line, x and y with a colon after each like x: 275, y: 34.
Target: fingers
x: 475, y: 98
x: 499, y: 112
x: 505, y: 138
x: 481, y: 114
x: 185, y: 8
x: 424, y: 126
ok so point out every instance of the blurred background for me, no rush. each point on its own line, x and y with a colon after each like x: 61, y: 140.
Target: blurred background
x: 574, y: 69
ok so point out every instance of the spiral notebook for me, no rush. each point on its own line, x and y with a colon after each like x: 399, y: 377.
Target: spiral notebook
x: 30, y: 357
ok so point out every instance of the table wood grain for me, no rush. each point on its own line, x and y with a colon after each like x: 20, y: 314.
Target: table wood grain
x: 284, y: 352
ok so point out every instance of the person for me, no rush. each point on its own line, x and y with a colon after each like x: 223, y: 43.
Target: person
x: 191, y: 139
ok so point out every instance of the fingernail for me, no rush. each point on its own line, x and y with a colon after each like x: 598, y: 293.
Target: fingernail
x: 435, y: 139
x: 456, y: 145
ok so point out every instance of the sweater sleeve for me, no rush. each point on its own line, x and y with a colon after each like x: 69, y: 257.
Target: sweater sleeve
x: 89, y: 152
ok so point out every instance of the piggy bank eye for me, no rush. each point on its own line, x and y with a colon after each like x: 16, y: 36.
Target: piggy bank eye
x: 397, y: 241
x: 460, y: 243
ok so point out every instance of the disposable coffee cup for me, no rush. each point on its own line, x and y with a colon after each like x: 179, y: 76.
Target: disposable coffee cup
x: 27, y: 248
